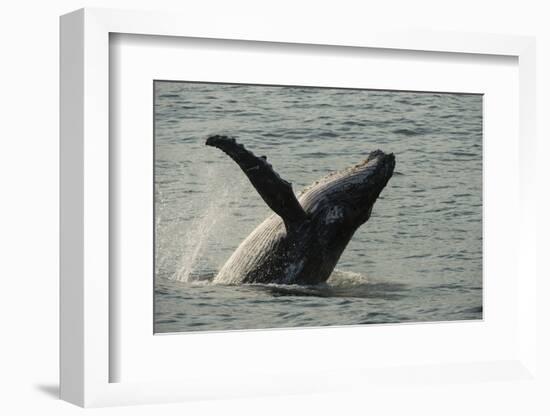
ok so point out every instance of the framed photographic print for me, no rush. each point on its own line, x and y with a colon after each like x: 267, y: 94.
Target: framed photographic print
x: 305, y: 204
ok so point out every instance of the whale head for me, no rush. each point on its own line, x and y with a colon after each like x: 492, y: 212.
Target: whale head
x: 346, y: 197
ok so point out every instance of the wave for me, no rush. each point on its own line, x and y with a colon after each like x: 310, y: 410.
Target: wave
x: 340, y: 284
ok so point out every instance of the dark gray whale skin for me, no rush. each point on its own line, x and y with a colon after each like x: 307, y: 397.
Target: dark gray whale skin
x: 302, y: 241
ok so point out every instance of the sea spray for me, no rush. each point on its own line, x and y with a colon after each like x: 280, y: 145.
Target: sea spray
x: 204, y: 233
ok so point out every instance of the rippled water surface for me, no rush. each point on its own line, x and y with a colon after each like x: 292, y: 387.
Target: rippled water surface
x: 418, y: 258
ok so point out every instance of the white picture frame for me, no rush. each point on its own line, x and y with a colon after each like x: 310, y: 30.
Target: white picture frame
x: 86, y: 356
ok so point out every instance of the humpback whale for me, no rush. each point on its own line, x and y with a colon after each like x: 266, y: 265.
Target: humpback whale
x: 301, y: 242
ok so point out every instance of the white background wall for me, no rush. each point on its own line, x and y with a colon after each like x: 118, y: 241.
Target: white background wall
x: 29, y: 208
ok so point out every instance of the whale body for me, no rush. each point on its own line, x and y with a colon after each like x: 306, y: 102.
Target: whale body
x: 301, y: 242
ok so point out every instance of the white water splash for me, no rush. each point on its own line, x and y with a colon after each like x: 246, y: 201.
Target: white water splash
x: 347, y: 278
x: 207, y: 227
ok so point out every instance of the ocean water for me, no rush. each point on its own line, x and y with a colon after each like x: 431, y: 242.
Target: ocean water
x: 418, y: 258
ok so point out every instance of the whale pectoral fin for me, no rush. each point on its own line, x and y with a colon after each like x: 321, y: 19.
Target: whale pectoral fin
x: 274, y: 190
